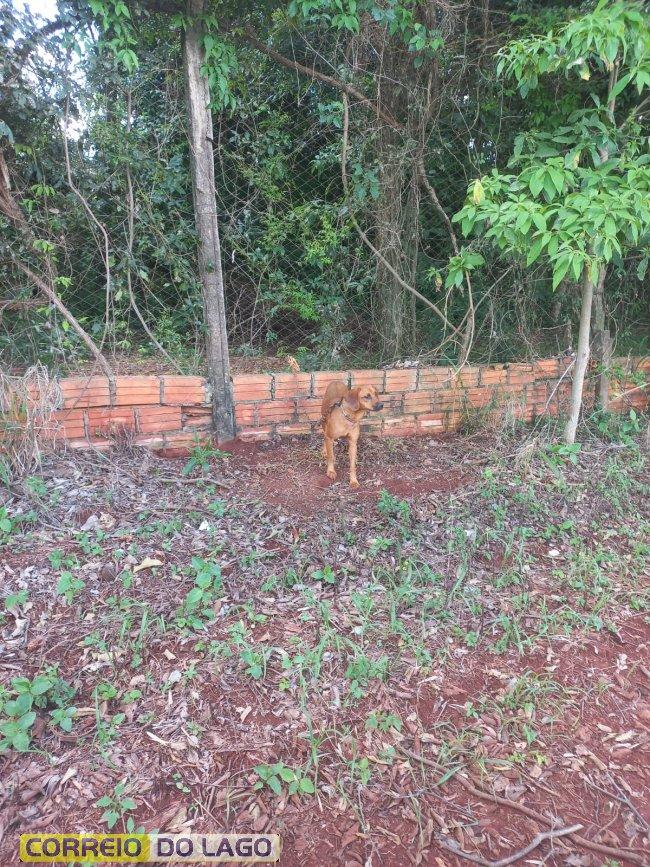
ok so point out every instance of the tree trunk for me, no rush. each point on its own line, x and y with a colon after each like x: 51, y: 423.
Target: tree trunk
x: 582, y: 357
x: 601, y: 340
x: 396, y: 219
x: 205, y: 213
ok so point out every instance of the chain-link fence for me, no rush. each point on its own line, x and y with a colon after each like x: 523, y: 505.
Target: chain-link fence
x: 330, y: 215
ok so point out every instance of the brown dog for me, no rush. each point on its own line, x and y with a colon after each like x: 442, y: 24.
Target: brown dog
x: 342, y: 411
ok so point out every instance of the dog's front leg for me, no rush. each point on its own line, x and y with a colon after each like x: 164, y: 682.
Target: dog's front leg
x: 329, y: 454
x: 352, y: 441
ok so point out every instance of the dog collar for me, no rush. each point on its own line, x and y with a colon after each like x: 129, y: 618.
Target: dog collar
x: 345, y: 415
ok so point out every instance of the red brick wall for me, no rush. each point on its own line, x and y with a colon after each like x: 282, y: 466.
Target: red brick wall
x: 171, y: 410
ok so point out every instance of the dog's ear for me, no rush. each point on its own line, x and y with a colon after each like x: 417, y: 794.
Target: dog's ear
x: 352, y: 399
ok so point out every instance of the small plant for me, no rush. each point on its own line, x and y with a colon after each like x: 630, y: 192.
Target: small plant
x: 275, y: 775
x: 63, y: 717
x: 26, y: 694
x: 15, y: 600
x: 361, y: 670
x: 557, y: 454
x: 381, y: 721
x: 116, y: 805
x: 218, y: 508
x: 196, y: 607
x: 69, y: 586
x: 104, y: 691
x: 326, y: 575
x: 393, y: 507
x: 360, y: 770
x: 6, y: 524
x: 617, y: 427
x: 255, y: 661
x: 200, y: 457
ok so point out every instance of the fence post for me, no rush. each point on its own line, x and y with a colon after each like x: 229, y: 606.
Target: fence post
x: 199, y: 123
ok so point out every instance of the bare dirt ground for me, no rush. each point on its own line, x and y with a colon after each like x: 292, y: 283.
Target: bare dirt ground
x: 452, y: 658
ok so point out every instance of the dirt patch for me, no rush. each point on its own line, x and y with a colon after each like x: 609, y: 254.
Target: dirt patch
x: 473, y: 628
x: 291, y: 473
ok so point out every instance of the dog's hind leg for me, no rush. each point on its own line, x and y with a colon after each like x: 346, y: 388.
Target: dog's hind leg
x: 329, y: 454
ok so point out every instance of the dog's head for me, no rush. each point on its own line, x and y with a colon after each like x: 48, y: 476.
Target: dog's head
x: 364, y: 397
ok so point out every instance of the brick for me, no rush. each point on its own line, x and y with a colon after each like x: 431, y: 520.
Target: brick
x: 480, y: 397
x: 79, y: 392
x: 367, y: 377
x: 254, y: 436
x: 393, y: 404
x: 102, y: 445
x: 493, y: 376
x: 401, y: 380
x: 252, y: 386
x: 196, y: 417
x: 137, y: 390
x: 104, y: 422
x: 155, y: 419
x: 292, y: 430
x: 417, y: 401
x: 399, y: 427
x: 274, y: 411
x: 322, y: 380
x: 150, y: 442
x: 68, y: 424
x: 431, y: 423
x: 537, y: 394
x: 372, y: 425
x: 520, y: 374
x: 246, y: 414
x: 292, y: 385
x: 434, y: 377
x: 546, y: 368
x: 180, y: 439
x: 468, y: 377
x: 184, y: 390
x: 309, y: 409
x: 449, y: 398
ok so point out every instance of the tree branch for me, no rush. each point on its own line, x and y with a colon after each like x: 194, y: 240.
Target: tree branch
x: 453, y: 846
x: 312, y: 72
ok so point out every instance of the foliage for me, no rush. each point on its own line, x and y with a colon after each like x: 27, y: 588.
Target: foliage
x: 581, y: 196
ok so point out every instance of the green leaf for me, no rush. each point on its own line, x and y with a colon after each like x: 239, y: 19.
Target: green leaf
x: 535, y: 251
x: 620, y: 86
x: 26, y: 721
x: 275, y: 785
x: 193, y: 597
x: 287, y: 774
x: 576, y: 266
x: 21, y: 742
x: 306, y: 786
x: 536, y: 182
x: 40, y: 685
x: 104, y: 801
x: 559, y: 271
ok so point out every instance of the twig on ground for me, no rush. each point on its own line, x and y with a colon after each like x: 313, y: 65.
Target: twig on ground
x: 452, y: 846
x: 632, y: 855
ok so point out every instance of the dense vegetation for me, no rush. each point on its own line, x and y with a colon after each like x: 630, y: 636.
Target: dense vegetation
x: 347, y: 135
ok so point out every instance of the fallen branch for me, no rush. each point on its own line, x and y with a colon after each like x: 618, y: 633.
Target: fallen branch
x: 54, y: 299
x: 452, y: 846
x: 632, y: 855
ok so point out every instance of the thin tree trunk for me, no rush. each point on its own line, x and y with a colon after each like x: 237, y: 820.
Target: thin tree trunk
x: 582, y: 357
x: 601, y: 340
x: 205, y: 213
